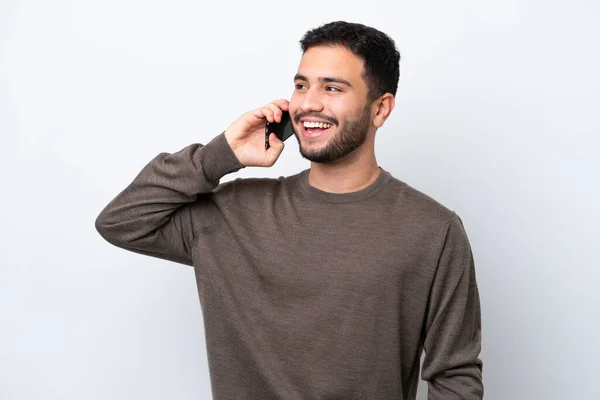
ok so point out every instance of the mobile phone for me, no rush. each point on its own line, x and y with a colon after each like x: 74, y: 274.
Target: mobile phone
x: 283, y: 130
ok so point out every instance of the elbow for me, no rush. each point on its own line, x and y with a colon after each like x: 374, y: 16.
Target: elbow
x: 122, y: 232
x: 103, y: 227
x: 108, y: 230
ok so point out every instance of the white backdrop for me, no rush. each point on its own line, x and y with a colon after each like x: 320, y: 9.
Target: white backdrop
x: 496, y: 117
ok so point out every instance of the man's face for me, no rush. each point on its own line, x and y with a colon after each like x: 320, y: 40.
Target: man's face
x: 329, y: 109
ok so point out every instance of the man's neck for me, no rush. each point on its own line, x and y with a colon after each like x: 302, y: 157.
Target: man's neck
x: 356, y: 172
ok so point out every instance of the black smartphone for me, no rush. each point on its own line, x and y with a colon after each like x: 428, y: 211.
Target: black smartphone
x: 283, y: 130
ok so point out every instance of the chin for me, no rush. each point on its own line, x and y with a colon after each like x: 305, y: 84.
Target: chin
x: 312, y: 149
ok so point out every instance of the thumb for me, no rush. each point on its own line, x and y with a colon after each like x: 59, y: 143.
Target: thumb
x: 276, y: 146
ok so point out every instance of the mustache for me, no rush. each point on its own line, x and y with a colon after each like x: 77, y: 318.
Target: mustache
x: 322, y: 117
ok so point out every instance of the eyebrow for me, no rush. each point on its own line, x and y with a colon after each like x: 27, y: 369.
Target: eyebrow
x: 324, y: 80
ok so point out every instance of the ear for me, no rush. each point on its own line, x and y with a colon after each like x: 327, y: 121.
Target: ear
x: 383, y: 107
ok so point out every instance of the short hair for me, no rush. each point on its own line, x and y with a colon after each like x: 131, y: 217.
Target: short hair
x: 377, y: 50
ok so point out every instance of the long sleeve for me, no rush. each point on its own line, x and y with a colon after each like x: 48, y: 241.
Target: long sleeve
x: 154, y: 214
x: 452, y: 334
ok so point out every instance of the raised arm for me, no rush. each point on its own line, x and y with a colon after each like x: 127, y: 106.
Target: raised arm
x: 154, y: 214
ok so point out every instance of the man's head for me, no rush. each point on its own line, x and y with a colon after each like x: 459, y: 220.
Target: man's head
x: 344, y: 89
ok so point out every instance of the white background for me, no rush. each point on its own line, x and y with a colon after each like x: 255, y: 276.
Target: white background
x: 496, y: 117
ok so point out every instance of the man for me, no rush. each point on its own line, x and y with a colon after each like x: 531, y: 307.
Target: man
x: 327, y: 284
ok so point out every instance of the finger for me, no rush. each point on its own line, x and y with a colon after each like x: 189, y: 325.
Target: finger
x: 268, y: 113
x: 276, y: 145
x: 276, y: 111
x: 282, y: 103
x: 261, y: 113
x: 258, y: 114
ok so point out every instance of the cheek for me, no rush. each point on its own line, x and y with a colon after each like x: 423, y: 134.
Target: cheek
x: 294, y: 105
x: 353, y: 114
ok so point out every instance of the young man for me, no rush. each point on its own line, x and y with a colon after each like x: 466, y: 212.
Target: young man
x: 327, y: 284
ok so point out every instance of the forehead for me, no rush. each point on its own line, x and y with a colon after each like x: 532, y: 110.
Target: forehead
x: 331, y: 61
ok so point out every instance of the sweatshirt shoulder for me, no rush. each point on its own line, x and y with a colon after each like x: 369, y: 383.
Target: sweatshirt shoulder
x: 417, y: 205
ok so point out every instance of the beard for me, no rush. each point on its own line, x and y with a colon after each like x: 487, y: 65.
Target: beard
x: 350, y: 136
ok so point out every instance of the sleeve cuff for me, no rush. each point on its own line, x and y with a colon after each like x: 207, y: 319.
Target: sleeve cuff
x: 219, y: 159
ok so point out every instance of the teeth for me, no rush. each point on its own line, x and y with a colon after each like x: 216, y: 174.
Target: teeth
x: 322, y: 125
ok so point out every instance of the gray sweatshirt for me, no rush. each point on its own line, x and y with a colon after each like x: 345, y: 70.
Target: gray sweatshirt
x: 307, y: 294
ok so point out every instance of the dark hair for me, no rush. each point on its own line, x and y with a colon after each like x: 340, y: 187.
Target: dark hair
x: 378, y: 51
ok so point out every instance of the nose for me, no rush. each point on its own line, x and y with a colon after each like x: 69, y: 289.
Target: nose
x: 311, y: 101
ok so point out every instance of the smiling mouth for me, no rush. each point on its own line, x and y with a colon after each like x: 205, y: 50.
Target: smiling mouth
x: 314, y: 129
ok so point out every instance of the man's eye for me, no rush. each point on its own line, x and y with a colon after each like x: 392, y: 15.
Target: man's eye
x: 333, y: 89
x: 300, y: 86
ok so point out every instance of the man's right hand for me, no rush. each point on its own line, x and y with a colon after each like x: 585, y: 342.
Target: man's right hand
x: 246, y: 135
